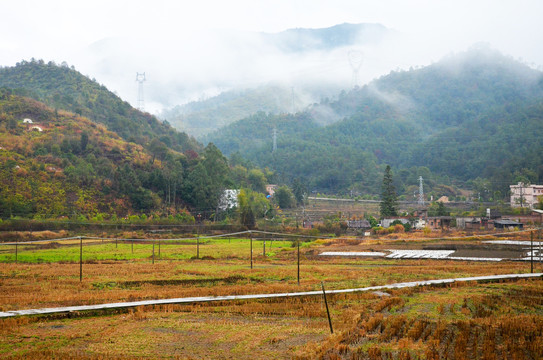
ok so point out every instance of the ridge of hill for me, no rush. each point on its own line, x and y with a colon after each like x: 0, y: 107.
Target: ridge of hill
x: 346, y: 34
x: 318, y: 49
x: 63, y: 88
x: 57, y: 163
x: 453, y: 119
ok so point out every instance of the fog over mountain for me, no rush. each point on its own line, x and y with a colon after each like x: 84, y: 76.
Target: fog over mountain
x: 203, y: 66
x: 196, y: 50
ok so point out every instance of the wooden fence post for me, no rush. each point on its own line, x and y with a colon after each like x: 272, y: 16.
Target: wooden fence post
x: 251, y: 238
x: 540, y: 253
x: 327, y: 310
x: 80, y: 259
x: 532, y: 252
x: 298, y: 240
x: 198, y: 243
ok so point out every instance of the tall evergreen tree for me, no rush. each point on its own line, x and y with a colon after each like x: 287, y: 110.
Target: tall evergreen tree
x: 388, y: 195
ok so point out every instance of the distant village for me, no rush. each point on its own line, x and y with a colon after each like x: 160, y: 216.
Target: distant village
x: 522, y: 196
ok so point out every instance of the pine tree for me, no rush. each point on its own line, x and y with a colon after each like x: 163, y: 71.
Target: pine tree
x: 388, y: 195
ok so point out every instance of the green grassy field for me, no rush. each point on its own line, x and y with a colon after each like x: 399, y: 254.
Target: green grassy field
x: 96, y: 250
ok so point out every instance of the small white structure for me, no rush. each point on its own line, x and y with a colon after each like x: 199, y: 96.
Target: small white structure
x: 229, y: 199
x: 36, y: 127
x: 420, y: 224
x: 28, y: 121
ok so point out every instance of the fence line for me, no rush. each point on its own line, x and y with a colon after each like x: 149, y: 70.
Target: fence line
x: 204, y: 299
x: 260, y: 232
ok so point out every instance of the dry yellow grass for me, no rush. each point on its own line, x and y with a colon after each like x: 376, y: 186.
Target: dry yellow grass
x: 277, y: 328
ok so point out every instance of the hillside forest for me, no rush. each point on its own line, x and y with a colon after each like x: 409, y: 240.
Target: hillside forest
x: 471, y: 121
x: 61, y: 157
x: 69, y: 147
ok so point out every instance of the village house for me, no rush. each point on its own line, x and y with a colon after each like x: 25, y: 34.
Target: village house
x: 469, y: 223
x: 507, y: 224
x: 525, y: 196
x: 439, y: 222
x: 358, y: 224
x: 388, y: 221
x: 270, y: 189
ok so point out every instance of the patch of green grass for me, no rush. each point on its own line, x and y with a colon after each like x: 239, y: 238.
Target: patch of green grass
x: 123, y: 251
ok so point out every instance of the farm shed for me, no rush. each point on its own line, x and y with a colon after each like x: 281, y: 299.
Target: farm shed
x: 439, y: 222
x: 504, y: 224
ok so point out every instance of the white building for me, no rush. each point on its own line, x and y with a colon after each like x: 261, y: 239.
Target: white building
x: 526, y: 196
x: 229, y: 199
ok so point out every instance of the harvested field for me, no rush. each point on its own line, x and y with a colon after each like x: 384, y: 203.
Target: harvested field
x: 274, y: 328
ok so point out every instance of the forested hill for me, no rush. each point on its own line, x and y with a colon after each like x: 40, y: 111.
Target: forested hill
x: 473, y: 115
x: 199, y: 118
x: 56, y: 163
x: 307, y: 46
x: 64, y: 88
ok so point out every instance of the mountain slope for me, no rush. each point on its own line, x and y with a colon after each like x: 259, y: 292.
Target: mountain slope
x: 298, y: 66
x: 56, y: 163
x: 436, y: 117
x: 341, y: 35
x: 61, y: 87
x: 200, y: 118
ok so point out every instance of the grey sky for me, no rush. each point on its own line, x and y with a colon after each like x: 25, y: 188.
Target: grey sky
x: 176, y: 42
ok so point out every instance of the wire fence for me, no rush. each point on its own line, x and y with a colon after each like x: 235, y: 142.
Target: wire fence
x: 200, y: 239
x: 270, y: 233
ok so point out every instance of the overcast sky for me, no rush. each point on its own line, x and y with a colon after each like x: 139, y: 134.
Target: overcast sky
x: 166, y: 37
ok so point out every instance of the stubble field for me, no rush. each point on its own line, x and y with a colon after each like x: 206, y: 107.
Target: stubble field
x: 414, y: 323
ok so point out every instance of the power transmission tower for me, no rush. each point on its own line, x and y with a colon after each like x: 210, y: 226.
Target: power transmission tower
x: 421, y: 192
x: 274, y: 139
x: 140, y: 78
x: 355, y: 59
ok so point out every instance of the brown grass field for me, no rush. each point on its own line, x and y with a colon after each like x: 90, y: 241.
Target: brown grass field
x: 477, y: 321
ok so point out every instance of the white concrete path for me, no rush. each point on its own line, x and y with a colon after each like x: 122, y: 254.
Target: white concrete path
x: 257, y: 296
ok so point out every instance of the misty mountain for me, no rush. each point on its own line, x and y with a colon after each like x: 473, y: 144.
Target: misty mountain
x: 342, y: 35
x: 64, y: 88
x: 199, y: 118
x: 307, y: 59
x: 475, y: 114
